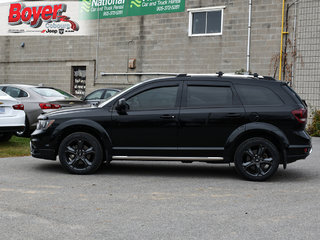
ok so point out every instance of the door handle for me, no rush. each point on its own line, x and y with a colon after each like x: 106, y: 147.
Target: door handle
x: 167, y: 116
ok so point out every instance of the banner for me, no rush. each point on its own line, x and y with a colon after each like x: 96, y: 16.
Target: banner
x: 96, y: 9
x: 42, y: 18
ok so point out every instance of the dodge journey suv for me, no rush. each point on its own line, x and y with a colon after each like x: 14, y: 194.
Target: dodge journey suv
x: 254, y: 122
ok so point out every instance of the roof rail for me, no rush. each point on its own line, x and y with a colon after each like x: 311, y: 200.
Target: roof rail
x: 220, y: 74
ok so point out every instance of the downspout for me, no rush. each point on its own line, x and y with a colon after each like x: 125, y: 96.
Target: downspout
x: 249, y: 37
x: 294, y: 41
x: 282, y: 33
x: 97, y: 48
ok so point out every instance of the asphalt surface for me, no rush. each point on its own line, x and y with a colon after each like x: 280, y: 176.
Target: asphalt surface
x: 131, y: 200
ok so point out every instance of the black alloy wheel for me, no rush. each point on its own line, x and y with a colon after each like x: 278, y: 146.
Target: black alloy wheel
x: 256, y: 159
x: 80, y: 153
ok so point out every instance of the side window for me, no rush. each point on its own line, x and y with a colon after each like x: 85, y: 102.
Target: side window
x: 95, y: 95
x: 156, y: 98
x: 16, y: 92
x: 109, y: 93
x: 208, y: 96
x: 257, y: 95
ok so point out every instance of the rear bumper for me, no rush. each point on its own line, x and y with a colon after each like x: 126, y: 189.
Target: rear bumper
x: 11, y: 129
x: 296, y: 152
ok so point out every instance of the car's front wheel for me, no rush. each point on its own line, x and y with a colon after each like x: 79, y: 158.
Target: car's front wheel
x: 256, y: 159
x: 80, y: 153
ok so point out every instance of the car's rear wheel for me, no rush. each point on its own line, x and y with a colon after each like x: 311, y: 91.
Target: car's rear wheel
x: 256, y: 159
x: 80, y: 153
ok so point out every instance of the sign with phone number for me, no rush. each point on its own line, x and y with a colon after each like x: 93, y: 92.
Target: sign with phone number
x: 94, y: 9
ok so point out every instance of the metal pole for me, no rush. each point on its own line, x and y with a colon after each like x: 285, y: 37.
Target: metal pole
x: 282, y: 22
x: 97, y: 45
x: 249, y: 36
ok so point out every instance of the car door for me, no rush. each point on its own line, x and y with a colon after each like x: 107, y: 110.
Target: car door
x: 150, y: 125
x: 210, y: 112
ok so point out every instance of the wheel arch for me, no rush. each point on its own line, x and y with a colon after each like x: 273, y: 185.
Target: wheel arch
x: 264, y: 130
x: 83, y: 125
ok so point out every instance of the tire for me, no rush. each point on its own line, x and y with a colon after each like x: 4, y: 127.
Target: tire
x: 256, y: 159
x: 5, y: 137
x: 25, y: 132
x: 80, y: 153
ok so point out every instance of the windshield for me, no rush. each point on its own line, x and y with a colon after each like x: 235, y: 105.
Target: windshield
x: 52, y: 92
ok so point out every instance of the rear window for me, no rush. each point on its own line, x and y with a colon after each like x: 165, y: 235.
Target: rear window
x: 294, y: 95
x: 52, y: 92
x: 258, y: 95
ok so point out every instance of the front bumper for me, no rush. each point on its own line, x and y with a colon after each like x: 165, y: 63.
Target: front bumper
x: 40, y: 146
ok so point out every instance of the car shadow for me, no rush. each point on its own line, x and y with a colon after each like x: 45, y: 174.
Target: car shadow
x: 169, y: 170
x: 161, y: 169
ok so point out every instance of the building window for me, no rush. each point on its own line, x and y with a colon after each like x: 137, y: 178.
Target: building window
x: 206, y: 21
x: 78, y: 84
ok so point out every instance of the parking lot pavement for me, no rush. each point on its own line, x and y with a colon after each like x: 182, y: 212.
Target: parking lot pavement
x: 131, y: 200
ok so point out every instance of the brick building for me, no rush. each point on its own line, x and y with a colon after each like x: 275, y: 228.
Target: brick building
x: 208, y: 36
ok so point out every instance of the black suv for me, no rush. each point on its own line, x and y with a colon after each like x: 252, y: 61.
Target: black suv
x: 255, y: 122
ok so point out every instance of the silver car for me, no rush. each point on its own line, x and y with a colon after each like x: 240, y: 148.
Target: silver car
x: 37, y: 100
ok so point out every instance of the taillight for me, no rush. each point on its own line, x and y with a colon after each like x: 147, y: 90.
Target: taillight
x: 18, y: 107
x: 49, y: 106
x: 300, y: 114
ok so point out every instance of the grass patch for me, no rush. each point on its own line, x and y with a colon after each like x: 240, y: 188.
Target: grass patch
x: 16, y: 147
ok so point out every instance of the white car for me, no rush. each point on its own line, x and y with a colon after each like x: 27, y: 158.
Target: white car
x: 12, y: 116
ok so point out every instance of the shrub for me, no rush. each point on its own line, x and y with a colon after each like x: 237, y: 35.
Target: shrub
x: 314, y: 127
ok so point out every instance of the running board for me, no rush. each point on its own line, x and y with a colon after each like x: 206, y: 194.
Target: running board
x: 147, y: 158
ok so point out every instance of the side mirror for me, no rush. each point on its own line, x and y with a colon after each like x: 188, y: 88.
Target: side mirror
x: 122, y: 106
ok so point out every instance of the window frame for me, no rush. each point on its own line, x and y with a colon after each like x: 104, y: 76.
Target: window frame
x: 206, y: 9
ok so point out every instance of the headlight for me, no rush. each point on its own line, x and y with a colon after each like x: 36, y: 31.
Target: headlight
x: 44, y: 124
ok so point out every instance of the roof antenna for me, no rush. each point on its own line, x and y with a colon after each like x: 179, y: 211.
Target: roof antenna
x: 219, y: 74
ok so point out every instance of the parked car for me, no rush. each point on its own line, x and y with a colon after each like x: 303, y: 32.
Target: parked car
x: 38, y: 100
x: 11, y: 116
x: 100, y: 95
x: 257, y: 123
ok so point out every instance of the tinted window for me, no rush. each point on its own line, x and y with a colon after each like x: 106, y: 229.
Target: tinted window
x: 95, y: 95
x: 205, y: 96
x: 156, y: 98
x: 257, y: 95
x: 294, y: 95
x: 16, y: 92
